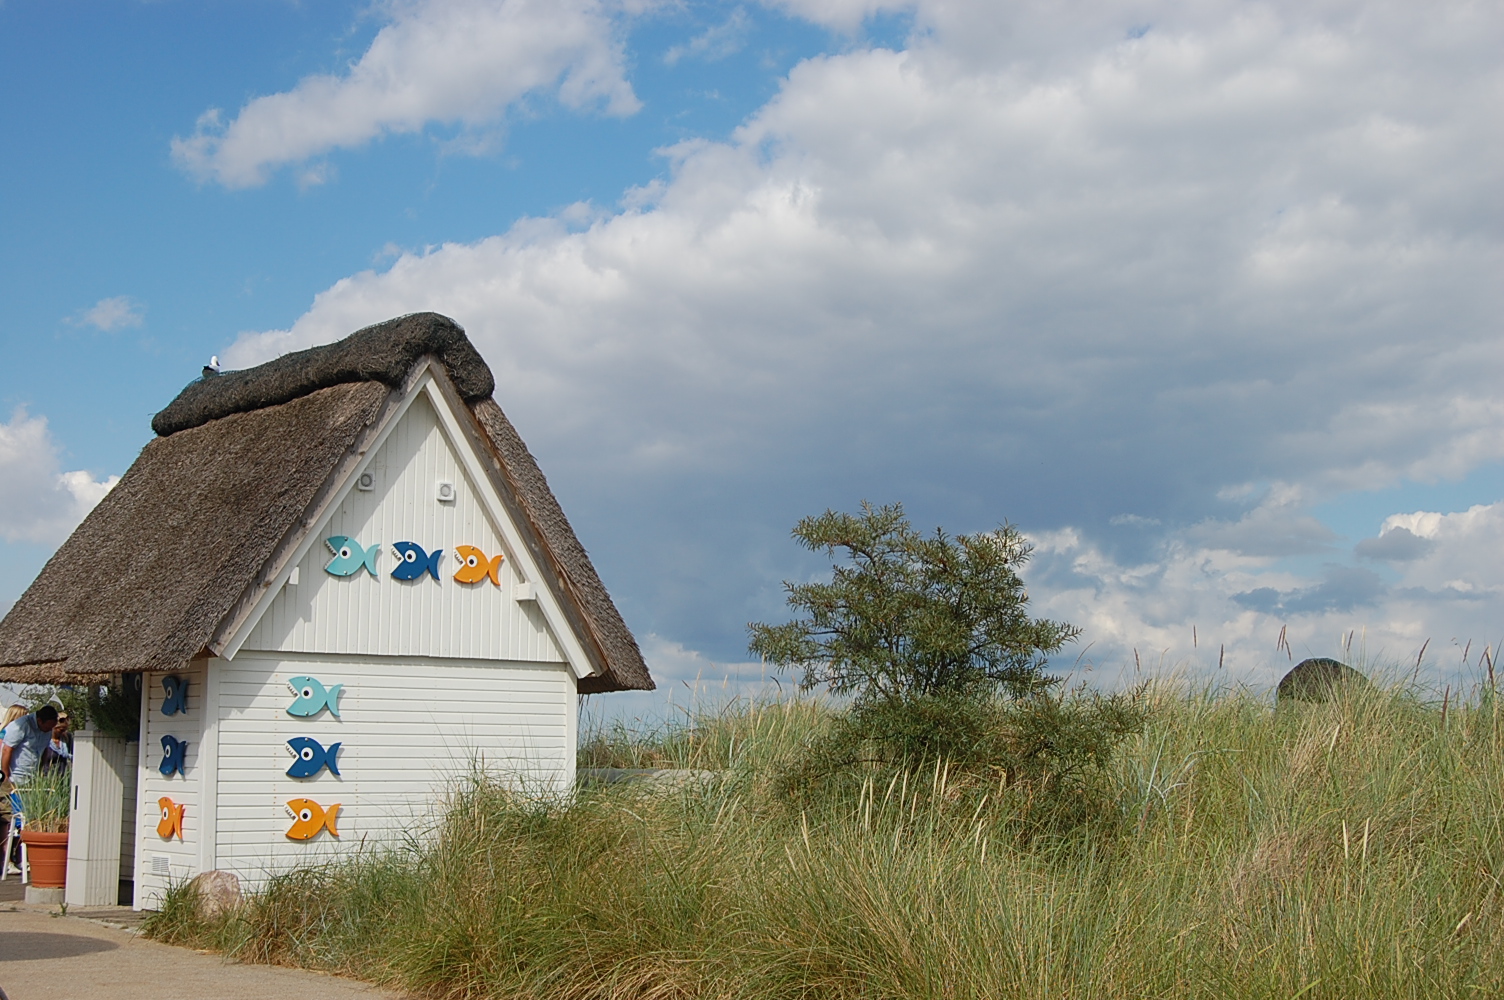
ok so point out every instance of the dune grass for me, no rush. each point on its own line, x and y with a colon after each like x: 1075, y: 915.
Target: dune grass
x: 1351, y: 849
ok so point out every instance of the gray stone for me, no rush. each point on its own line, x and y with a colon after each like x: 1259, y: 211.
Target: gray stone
x: 46, y: 897
x: 218, y: 893
x: 1319, y: 679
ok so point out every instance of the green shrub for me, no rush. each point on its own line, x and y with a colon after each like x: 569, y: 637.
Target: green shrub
x: 909, y: 616
x: 1050, y: 751
x: 115, y: 708
x: 931, y: 637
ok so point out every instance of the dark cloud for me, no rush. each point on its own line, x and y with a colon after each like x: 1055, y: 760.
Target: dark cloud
x: 1394, y: 545
x: 1343, y: 589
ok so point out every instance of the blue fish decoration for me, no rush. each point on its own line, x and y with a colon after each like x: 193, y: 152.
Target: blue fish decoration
x: 349, y: 557
x: 173, y: 752
x: 310, y: 755
x: 177, y: 694
x: 313, y: 697
x: 415, y: 562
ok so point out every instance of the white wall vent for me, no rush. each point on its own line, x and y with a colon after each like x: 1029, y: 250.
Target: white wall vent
x: 161, y: 864
x: 366, y: 481
x: 445, y: 492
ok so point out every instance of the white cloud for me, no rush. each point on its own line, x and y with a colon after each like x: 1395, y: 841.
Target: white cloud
x: 437, y: 61
x: 1442, y: 599
x: 844, y: 15
x: 716, y: 42
x: 689, y: 684
x: 111, y: 314
x: 38, y: 501
x: 1047, y: 264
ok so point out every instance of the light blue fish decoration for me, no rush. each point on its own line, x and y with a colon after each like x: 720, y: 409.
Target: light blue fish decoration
x: 310, y: 756
x: 349, y: 557
x: 177, y: 694
x: 173, y: 753
x: 312, y: 697
x: 415, y: 562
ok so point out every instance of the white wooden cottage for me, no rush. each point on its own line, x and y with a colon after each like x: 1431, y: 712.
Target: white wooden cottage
x: 278, y: 539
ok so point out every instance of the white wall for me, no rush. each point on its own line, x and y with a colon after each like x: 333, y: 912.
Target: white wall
x: 438, y: 677
x: 383, y: 616
x: 409, y: 730
x: 181, y: 856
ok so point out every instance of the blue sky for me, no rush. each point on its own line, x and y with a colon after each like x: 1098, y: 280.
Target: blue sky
x: 1204, y: 297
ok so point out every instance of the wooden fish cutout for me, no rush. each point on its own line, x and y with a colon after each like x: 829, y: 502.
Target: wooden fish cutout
x: 312, y: 757
x: 475, y: 567
x: 177, y: 694
x: 173, y: 752
x: 415, y: 562
x: 313, y: 697
x: 308, y: 818
x: 349, y: 557
x: 172, y: 818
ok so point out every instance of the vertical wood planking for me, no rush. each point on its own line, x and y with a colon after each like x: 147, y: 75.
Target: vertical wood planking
x: 132, y: 772
x: 389, y: 617
x: 208, y: 759
x: 99, y: 766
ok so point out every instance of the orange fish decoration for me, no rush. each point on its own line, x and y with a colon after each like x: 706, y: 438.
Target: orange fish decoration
x: 475, y: 567
x: 308, y: 818
x: 172, y: 818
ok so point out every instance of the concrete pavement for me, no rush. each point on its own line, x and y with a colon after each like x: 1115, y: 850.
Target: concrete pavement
x: 49, y: 957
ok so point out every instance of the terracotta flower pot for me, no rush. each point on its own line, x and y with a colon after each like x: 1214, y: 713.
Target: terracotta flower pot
x: 47, y: 856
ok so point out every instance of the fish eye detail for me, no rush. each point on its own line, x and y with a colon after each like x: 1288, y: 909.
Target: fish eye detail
x: 172, y: 818
x: 311, y: 698
x: 350, y: 557
x: 310, y: 757
x: 414, y: 561
x: 476, y: 566
x: 309, y: 818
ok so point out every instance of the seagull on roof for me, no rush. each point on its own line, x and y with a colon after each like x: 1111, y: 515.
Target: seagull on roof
x: 212, y: 368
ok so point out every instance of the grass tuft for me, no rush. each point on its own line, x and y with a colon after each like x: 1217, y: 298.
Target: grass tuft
x: 1324, y: 851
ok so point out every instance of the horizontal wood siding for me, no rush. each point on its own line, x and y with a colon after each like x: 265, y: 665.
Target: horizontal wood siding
x: 409, y: 730
x: 388, y: 617
x: 182, y: 855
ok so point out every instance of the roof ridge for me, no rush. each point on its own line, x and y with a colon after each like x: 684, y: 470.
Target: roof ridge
x: 384, y: 352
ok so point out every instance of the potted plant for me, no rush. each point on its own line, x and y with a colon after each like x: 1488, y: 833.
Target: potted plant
x: 44, y: 804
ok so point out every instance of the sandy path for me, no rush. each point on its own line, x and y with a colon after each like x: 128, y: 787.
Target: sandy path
x: 44, y: 957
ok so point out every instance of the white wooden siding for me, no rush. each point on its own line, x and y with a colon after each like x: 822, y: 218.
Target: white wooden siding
x: 183, y: 856
x: 387, y: 617
x: 409, y: 729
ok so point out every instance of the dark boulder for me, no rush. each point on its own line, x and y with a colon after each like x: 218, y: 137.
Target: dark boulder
x: 1318, y: 679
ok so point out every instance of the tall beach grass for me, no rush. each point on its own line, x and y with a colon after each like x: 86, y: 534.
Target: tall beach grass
x: 1350, y: 849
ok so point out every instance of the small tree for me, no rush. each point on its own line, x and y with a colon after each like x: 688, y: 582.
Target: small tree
x: 911, y: 616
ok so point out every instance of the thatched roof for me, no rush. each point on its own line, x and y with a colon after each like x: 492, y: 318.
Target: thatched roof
x: 176, y: 552
x: 382, y: 353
